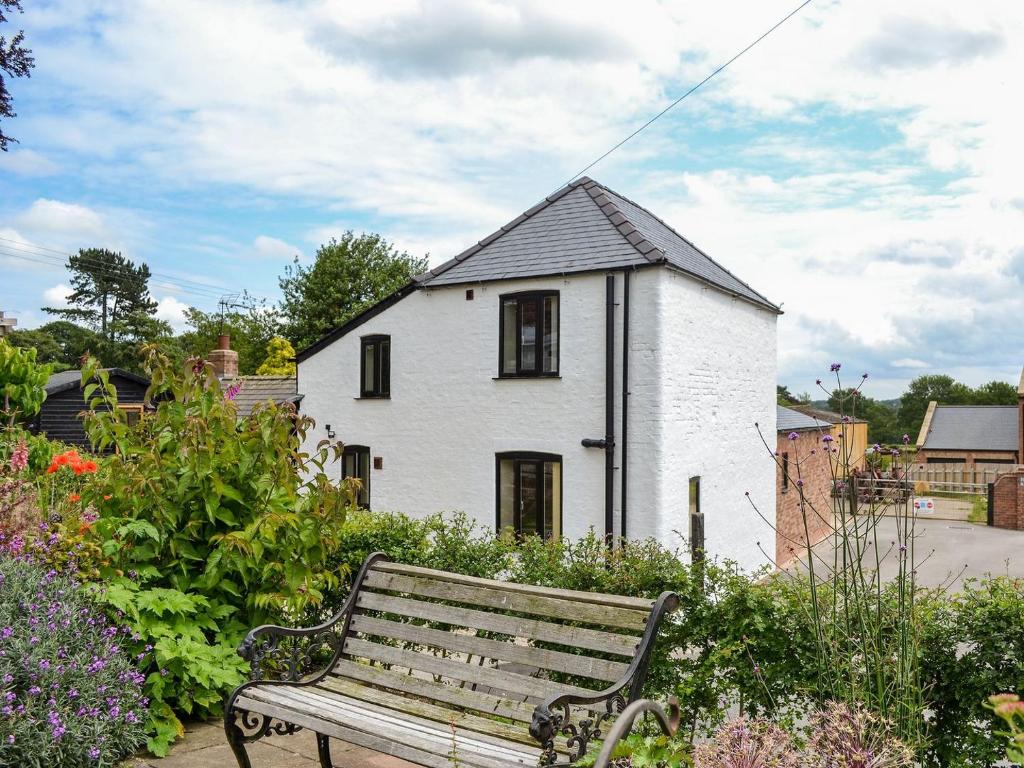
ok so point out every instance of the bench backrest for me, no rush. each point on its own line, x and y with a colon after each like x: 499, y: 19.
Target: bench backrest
x: 486, y: 646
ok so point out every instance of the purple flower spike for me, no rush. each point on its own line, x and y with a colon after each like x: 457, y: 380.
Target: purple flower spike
x: 835, y: 367
x: 906, y: 439
x: 827, y: 439
x: 793, y: 435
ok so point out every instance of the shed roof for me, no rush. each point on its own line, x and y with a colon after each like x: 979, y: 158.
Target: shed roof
x: 58, y: 382
x: 788, y: 420
x: 261, y: 389
x: 973, y: 428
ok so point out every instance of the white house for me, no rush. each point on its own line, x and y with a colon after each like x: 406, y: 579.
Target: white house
x: 584, y: 366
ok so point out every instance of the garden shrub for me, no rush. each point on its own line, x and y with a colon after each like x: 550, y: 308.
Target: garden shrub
x: 209, y: 524
x: 71, y: 695
x: 973, y: 645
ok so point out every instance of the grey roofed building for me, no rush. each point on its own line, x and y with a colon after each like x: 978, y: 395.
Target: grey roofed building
x: 972, y: 428
x: 584, y: 227
x: 788, y: 420
x: 262, y: 389
x: 72, y: 379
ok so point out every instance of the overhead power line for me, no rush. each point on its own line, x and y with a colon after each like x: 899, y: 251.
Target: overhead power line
x: 44, y: 252
x: 646, y: 125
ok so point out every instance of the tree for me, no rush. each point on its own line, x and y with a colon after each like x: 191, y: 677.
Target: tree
x: 922, y: 390
x: 783, y: 396
x: 250, y: 334
x: 22, y: 383
x: 109, y: 291
x: 348, y: 276
x: 995, y: 393
x: 880, y: 417
x: 48, y: 349
x: 16, y: 61
x: 280, y: 358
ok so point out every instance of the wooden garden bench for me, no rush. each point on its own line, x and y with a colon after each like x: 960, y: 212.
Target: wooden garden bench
x: 441, y: 669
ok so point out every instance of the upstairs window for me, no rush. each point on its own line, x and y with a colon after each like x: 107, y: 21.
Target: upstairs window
x: 375, y: 366
x: 529, y: 334
x: 355, y: 463
x: 530, y: 494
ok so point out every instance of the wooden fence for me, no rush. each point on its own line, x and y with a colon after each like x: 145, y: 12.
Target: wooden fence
x: 980, y: 474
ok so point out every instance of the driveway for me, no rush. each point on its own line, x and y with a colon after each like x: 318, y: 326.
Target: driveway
x: 947, y: 551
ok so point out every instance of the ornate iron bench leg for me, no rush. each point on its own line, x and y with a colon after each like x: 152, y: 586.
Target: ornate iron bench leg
x: 323, y: 749
x: 236, y: 739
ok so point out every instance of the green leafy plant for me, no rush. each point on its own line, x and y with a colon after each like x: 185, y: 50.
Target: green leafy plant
x: 22, y: 383
x: 209, y: 524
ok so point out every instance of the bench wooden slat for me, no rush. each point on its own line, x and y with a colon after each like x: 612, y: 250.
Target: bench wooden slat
x: 577, y: 596
x: 427, y: 735
x: 374, y: 697
x: 480, y: 742
x: 464, y: 698
x: 533, y: 629
x: 458, y: 670
x: 537, y: 605
x: 558, y: 661
x: 430, y: 752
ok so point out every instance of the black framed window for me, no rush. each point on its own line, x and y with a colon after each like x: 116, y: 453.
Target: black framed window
x: 529, y: 493
x: 355, y: 463
x: 529, y: 334
x: 375, y: 366
x: 696, y: 521
x: 785, y: 472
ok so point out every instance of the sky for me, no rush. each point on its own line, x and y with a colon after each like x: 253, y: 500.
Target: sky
x: 863, y: 166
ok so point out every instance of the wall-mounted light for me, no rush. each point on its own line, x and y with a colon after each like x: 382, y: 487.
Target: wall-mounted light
x: 330, y: 432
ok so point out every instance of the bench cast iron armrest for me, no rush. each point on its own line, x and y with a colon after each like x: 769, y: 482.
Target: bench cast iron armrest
x: 290, y: 654
x: 554, y: 714
x: 669, y: 725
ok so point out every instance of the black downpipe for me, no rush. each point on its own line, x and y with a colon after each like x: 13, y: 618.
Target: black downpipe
x: 625, y: 401
x: 609, y: 412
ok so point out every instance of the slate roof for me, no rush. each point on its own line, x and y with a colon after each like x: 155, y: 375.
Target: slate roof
x: 260, y: 389
x: 787, y: 420
x: 584, y: 227
x: 973, y: 428
x: 58, y: 382
x: 829, y: 417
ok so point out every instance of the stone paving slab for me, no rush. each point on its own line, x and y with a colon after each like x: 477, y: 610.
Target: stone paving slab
x: 204, y: 746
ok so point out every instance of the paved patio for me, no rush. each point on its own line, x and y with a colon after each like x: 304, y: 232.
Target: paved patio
x: 204, y: 746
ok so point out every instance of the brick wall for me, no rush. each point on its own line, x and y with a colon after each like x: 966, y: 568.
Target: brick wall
x: 1008, y: 506
x: 813, y: 470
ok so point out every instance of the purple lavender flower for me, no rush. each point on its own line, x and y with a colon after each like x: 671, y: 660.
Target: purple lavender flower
x: 835, y: 367
x: 793, y: 435
x: 827, y: 439
x: 94, y: 753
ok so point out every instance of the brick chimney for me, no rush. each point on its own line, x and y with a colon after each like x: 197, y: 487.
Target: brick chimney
x: 224, y: 359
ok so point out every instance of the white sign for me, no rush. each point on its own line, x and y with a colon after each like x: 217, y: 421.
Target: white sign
x: 924, y: 506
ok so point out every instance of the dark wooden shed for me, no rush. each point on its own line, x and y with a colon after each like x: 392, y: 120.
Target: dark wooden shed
x: 60, y: 418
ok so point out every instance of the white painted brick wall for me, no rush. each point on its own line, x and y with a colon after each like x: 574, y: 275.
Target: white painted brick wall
x: 448, y: 416
x: 718, y: 371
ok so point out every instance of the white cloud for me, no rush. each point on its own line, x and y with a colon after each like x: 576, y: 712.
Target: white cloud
x: 170, y: 310
x: 60, y: 218
x: 266, y: 247
x: 909, y: 362
x: 27, y: 162
x: 57, y: 296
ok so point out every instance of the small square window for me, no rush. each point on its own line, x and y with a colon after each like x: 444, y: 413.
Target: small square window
x: 528, y: 337
x: 132, y: 413
x: 375, y: 367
